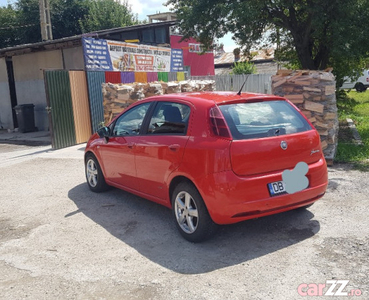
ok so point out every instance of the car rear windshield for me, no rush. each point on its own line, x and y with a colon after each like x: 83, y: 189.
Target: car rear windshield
x: 263, y: 119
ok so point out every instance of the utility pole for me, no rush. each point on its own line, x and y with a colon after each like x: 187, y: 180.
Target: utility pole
x: 45, y: 21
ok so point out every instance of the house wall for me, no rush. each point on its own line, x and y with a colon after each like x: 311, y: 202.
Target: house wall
x: 29, y: 81
x: 261, y: 68
x: 6, y: 119
x: 73, y: 58
x: 201, y: 64
x: 266, y: 68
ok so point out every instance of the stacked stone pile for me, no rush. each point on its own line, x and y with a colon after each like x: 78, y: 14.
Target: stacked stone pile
x: 117, y: 97
x: 313, y: 92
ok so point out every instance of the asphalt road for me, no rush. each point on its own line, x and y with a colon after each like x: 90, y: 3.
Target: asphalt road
x: 58, y: 240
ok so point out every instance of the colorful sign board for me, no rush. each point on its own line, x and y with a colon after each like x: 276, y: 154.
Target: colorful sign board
x: 197, y: 48
x: 105, y: 55
x: 176, y: 63
x: 96, y: 54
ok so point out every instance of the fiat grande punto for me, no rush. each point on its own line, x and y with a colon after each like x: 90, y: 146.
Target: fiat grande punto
x: 212, y: 157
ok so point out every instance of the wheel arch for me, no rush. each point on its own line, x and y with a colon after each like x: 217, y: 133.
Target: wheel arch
x: 90, y: 152
x: 205, y: 227
x: 175, y: 181
x: 99, y: 184
x: 182, y: 178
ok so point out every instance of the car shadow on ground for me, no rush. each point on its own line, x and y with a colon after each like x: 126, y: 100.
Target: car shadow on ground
x: 149, y: 228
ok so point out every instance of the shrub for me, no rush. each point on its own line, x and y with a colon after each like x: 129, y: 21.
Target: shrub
x: 243, y: 67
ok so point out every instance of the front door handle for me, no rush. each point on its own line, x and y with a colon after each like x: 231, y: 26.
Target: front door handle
x: 174, y: 147
x: 130, y: 145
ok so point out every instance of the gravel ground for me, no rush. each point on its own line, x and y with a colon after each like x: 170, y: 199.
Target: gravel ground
x: 58, y: 240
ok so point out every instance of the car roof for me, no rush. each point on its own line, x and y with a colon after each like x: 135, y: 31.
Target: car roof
x: 217, y: 97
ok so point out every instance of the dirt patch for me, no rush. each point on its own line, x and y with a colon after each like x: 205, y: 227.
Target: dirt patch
x: 349, y: 256
x: 10, y: 230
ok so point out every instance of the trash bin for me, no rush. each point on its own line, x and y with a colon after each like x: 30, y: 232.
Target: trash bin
x: 25, y: 117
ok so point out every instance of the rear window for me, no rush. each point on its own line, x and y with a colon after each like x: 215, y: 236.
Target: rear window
x: 263, y: 119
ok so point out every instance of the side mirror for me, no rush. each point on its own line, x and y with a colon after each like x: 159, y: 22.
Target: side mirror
x: 104, y: 132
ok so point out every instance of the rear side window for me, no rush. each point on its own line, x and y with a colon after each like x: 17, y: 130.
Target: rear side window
x: 263, y: 119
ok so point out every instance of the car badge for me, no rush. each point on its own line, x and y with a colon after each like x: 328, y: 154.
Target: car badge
x: 284, y: 145
x: 314, y: 151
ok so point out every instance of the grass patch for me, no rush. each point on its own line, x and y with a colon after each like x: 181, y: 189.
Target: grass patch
x: 355, y: 106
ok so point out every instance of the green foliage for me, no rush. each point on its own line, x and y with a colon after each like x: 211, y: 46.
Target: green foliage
x: 355, y: 106
x: 345, y: 103
x: 8, y: 22
x: 20, y: 23
x: 312, y: 34
x: 105, y: 14
x: 243, y: 67
x: 66, y: 16
x: 29, y: 30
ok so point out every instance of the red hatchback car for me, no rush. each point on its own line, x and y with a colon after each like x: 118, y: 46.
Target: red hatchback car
x: 213, y: 158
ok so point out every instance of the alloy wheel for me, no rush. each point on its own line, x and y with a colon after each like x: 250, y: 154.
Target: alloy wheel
x: 91, y: 171
x: 186, y: 212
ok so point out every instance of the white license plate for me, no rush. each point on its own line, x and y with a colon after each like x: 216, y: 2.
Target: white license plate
x: 276, y: 188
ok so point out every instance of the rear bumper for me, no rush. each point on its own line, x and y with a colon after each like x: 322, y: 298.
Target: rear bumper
x: 233, y: 198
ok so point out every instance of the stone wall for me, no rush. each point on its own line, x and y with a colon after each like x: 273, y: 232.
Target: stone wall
x: 313, y: 92
x: 119, y: 96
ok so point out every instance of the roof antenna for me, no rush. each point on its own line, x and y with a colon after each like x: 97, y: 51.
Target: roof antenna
x: 239, y: 93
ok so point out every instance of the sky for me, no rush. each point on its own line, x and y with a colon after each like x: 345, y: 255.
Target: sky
x: 149, y: 7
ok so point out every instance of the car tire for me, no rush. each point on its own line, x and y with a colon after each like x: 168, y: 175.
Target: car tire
x: 190, y: 213
x: 360, y: 87
x: 94, y: 176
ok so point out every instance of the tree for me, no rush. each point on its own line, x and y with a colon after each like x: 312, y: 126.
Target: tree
x: 20, y: 23
x: 313, y: 34
x: 105, y: 14
x: 8, y: 26
x: 66, y: 16
x: 218, y: 48
x: 29, y: 30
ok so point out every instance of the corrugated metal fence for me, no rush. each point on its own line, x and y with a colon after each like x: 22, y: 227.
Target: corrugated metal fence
x: 95, y: 80
x: 59, y: 102
x: 81, y: 108
x: 75, y: 101
x: 254, y: 83
x: 75, y: 98
x: 67, y: 99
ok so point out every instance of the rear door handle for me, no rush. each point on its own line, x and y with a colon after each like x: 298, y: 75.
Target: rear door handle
x: 130, y: 145
x: 174, y: 147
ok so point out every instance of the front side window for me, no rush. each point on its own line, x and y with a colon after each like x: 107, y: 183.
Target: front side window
x: 129, y: 123
x: 263, y: 119
x: 169, y: 118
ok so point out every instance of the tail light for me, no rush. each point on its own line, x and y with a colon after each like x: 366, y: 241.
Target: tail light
x: 218, y: 124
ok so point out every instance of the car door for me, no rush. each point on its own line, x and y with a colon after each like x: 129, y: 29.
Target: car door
x: 118, y: 154
x: 160, y: 151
